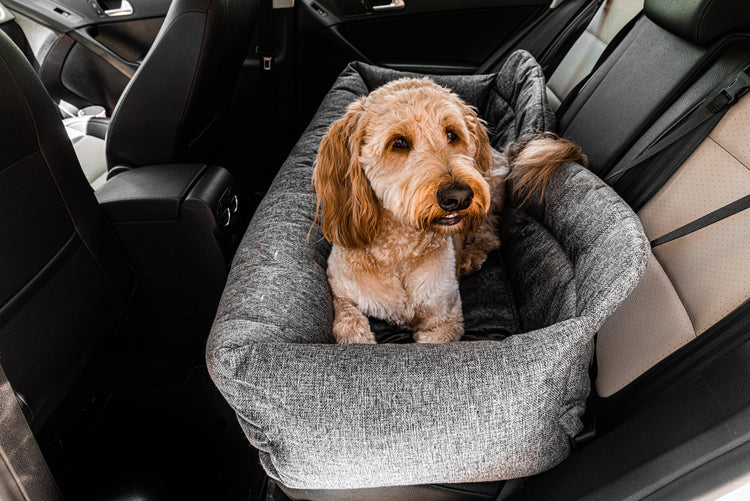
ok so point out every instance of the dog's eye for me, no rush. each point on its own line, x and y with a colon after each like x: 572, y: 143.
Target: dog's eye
x: 400, y: 144
x: 452, y: 136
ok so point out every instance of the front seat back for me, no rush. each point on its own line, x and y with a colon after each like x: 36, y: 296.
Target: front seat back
x: 171, y: 111
x: 64, y: 277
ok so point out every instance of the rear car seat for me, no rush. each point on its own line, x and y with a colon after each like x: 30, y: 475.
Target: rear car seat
x: 611, y: 17
x: 696, y: 280
x: 672, y: 362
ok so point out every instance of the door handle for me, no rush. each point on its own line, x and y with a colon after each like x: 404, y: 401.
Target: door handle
x: 124, y: 9
x: 394, y: 5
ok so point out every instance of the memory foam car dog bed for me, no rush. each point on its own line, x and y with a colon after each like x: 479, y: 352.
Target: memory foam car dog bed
x: 503, y: 402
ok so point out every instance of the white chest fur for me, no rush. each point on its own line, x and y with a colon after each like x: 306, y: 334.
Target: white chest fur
x: 408, y: 280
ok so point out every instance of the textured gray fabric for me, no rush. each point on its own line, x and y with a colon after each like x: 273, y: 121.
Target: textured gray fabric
x: 24, y: 474
x: 353, y: 416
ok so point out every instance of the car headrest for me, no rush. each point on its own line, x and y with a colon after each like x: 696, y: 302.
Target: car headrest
x: 699, y: 21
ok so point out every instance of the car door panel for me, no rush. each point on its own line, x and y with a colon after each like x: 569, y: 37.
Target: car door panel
x: 448, y: 36
x: 434, y: 40
x: 93, y: 53
x: 66, y: 15
x: 425, y: 36
x: 130, y: 40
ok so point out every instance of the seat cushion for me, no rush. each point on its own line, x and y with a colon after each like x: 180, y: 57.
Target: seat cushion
x: 328, y: 416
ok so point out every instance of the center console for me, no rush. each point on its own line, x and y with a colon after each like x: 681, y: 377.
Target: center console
x: 179, y: 224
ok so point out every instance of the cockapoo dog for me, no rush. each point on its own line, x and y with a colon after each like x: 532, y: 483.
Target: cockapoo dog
x: 408, y: 188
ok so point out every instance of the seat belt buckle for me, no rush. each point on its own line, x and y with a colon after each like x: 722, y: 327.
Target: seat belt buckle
x: 585, y: 437
x: 266, y: 58
x: 732, y: 92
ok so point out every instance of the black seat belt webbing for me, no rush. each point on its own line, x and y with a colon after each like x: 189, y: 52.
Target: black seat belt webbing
x: 717, y: 100
x: 23, y: 470
x: 710, y: 218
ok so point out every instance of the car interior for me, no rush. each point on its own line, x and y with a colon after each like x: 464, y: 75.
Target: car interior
x: 137, y: 138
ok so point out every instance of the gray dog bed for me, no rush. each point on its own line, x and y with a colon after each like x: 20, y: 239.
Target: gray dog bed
x: 490, y: 407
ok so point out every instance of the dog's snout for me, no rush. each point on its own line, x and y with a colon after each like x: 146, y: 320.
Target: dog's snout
x: 455, y: 197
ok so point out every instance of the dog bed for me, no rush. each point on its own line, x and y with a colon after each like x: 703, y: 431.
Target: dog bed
x: 493, y: 406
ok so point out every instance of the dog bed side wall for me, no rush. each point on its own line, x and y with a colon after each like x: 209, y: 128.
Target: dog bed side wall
x: 332, y: 416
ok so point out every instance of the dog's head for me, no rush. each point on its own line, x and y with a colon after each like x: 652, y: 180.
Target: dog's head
x: 412, y: 148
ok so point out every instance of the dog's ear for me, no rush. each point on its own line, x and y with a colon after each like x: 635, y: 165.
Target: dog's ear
x: 347, y: 206
x: 478, y: 131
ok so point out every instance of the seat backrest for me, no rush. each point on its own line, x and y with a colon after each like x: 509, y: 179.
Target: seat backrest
x: 611, y: 17
x: 64, y: 277
x: 171, y: 111
x: 668, y: 49
x: 695, y: 281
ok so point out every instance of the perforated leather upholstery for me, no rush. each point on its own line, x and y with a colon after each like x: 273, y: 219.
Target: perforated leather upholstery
x: 693, y: 281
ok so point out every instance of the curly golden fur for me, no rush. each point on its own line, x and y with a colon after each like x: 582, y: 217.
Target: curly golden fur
x: 405, y: 180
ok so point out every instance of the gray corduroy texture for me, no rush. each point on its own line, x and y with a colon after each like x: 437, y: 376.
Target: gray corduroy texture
x: 351, y: 416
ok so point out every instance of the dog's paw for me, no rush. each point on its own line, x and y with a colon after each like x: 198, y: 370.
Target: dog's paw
x: 471, y: 262
x: 355, y: 331
x: 356, y: 338
x: 349, y: 324
x: 441, y: 334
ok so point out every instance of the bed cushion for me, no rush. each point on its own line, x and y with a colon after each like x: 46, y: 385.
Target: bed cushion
x: 494, y: 406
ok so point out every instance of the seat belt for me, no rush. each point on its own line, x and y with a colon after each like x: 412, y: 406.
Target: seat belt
x: 24, y: 474
x: 265, y: 49
x: 712, y: 217
x: 718, y: 100
x: 268, y: 51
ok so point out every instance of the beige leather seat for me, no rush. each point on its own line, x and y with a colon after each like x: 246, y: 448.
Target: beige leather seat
x: 696, y: 280
x: 582, y: 56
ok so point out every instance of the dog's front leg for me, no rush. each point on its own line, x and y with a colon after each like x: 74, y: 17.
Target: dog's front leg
x: 474, y: 252
x: 434, y: 325
x: 349, y: 324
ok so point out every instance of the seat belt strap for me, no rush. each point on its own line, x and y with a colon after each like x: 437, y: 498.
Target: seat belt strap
x: 265, y: 49
x: 709, y: 219
x: 23, y: 470
x: 718, y: 100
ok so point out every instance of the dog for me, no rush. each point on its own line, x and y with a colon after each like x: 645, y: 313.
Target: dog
x: 408, y: 190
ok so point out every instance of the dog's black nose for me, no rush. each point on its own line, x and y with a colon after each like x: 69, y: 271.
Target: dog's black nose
x: 455, y: 197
